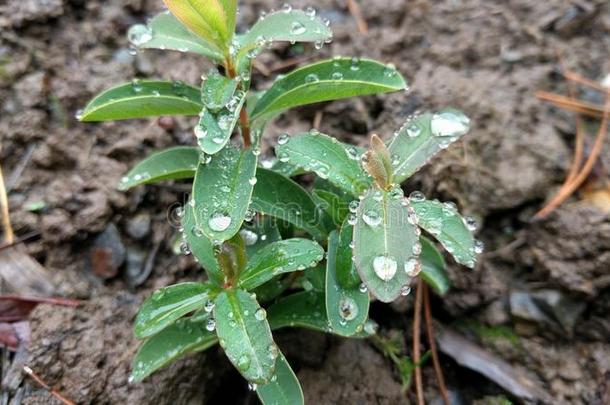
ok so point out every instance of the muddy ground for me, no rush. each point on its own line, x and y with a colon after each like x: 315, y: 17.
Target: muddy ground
x: 538, y: 300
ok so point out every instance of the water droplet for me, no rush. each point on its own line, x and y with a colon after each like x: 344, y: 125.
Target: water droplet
x: 318, y: 44
x: 260, y: 314
x: 371, y: 218
x: 209, y: 306
x: 413, y: 130
x: 390, y: 70
x: 370, y: 327
x: 283, y: 157
x: 249, y: 216
x: 136, y: 85
x: 283, y: 139
x: 385, y: 267
x: 79, y: 114
x: 273, y: 351
x: 200, y: 131
x: 470, y: 223
x: 412, y: 267
x: 249, y: 237
x: 449, y: 124
x: 353, y: 205
x: 314, y: 132
x: 252, y: 386
x: 417, y: 196
x: 310, y: 12
x: 355, y: 64
x: 348, y: 310
x: 405, y: 290
x: 311, y: 78
x: 363, y: 288
x: 416, y: 248
x: 337, y: 76
x: 210, y: 325
x: 297, y: 28
x: 479, y: 246
x: 184, y: 248
x: 219, y: 222
x: 351, y: 219
x: 286, y: 8
x: 243, y: 363
x: 352, y: 152
x: 139, y: 34
x: 252, y: 181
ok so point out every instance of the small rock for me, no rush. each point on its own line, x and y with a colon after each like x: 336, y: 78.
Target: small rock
x: 138, y: 227
x: 107, y: 253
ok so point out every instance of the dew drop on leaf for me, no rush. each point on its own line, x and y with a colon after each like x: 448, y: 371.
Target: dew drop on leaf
x: 449, y: 124
x: 210, y: 325
x: 243, y: 363
x: 283, y: 139
x: 219, y: 222
x: 417, y: 196
x: 260, y: 314
x: 312, y: 78
x: 297, y: 28
x: 371, y: 218
x: 385, y: 267
x: 348, y: 310
x: 139, y: 34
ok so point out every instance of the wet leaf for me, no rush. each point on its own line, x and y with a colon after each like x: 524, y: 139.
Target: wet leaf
x: 305, y: 309
x: 445, y: 224
x: 170, y: 164
x: 169, y: 304
x: 292, y: 26
x: 184, y: 336
x: 206, y: 20
x: 385, y: 244
x: 283, y: 198
x: 214, y: 130
x: 201, y: 246
x: 164, y: 31
x: 346, y: 308
x: 141, y: 99
x: 423, y: 137
x: 284, y: 389
x: 346, y: 273
x: 245, y: 335
x: 334, y: 205
x: 221, y: 193
x: 217, y: 91
x: 325, y: 156
x: 329, y: 80
x: 433, y: 267
x: 284, y: 256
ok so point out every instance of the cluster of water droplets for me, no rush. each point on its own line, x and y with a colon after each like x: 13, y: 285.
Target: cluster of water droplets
x: 318, y: 166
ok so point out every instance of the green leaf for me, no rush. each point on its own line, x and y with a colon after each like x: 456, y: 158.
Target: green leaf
x: 170, y: 164
x: 334, y: 205
x: 282, y: 198
x: 284, y: 389
x: 245, y: 335
x: 214, y: 129
x: 217, y: 91
x: 206, y: 19
x: 347, y: 275
x: 164, y: 31
x: 292, y: 26
x: 200, y: 246
x: 423, y: 137
x: 184, y: 336
x: 169, y: 304
x: 306, y: 309
x: 445, y: 224
x: 386, y: 244
x: 346, y: 308
x: 284, y: 256
x: 433, y: 267
x: 222, y: 191
x: 315, y: 278
x: 329, y: 80
x: 272, y: 289
x: 141, y: 99
x: 326, y: 157
x: 230, y: 9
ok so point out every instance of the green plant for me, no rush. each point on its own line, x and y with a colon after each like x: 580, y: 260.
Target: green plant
x: 258, y: 234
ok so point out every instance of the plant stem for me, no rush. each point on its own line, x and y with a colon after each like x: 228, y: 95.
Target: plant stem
x: 569, y: 188
x: 244, y: 121
x: 419, y: 386
x: 430, y: 333
x: 6, y: 221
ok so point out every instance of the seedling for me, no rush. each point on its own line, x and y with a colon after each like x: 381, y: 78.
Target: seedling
x: 260, y: 236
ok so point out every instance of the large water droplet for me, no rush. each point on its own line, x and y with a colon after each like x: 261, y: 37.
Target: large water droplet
x: 210, y: 325
x: 283, y: 139
x: 209, y: 306
x: 312, y: 78
x: 371, y: 218
x: 412, y: 267
x: 348, y: 309
x: 260, y: 314
x: 385, y: 267
x: 470, y: 223
x: 139, y: 35
x: 219, y: 222
x: 417, y: 196
x: 449, y: 124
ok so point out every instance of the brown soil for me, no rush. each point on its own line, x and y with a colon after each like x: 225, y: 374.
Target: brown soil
x: 485, y: 57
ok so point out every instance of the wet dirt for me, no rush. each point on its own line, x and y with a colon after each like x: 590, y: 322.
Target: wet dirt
x: 485, y: 57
